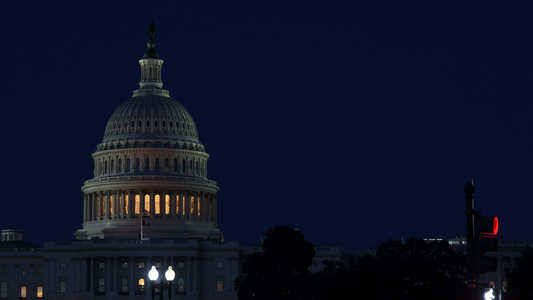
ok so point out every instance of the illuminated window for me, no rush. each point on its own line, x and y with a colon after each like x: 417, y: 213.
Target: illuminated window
x: 192, y: 206
x: 39, y: 291
x: 23, y: 291
x: 62, y: 286
x: 141, y: 266
x: 101, y: 285
x: 167, y: 204
x: 124, y: 286
x: 137, y: 204
x: 3, y: 289
x: 111, y: 205
x: 140, y: 286
x: 126, y: 204
x: 102, y: 206
x: 147, y: 202
x: 220, y: 286
x: 157, y: 203
x: 181, y: 285
x: 198, y: 206
x: 124, y: 265
x: 178, y: 205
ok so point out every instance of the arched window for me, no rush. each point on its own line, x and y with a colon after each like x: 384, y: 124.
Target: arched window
x: 181, y: 285
x: 3, y: 289
x: 175, y: 165
x: 137, y: 164
x: 147, y: 164
x: 157, y: 164
x: 167, y: 204
x: 178, y: 205
x: 119, y: 165
x: 102, y: 205
x: 101, y: 285
x: 147, y: 202
x: 140, y: 286
x: 126, y: 204
x: 198, y: 206
x: 128, y: 164
x: 124, y: 286
x: 137, y: 204
x: 183, y: 166
x: 192, y: 206
x: 111, y: 205
x: 157, y: 204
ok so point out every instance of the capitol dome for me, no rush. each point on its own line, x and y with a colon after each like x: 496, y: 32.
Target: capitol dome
x: 150, y: 169
x: 153, y: 117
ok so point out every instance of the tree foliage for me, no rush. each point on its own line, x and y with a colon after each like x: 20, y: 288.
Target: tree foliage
x: 416, y: 269
x: 520, y: 277
x: 280, y: 270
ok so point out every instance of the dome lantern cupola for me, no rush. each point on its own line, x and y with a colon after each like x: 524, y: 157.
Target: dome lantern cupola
x: 151, y: 69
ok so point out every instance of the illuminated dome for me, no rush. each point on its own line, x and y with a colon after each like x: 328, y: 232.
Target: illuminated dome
x: 153, y: 117
x: 150, y: 168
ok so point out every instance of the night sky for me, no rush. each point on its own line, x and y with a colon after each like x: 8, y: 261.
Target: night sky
x: 355, y: 122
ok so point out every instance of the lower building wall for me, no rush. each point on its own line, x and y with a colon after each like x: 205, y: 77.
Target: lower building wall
x: 96, y: 269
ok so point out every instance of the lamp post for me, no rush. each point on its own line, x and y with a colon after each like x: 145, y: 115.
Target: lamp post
x: 164, y: 282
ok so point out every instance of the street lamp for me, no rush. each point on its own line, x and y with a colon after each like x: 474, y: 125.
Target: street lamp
x: 163, y: 282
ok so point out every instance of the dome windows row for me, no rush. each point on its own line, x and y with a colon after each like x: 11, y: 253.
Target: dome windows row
x: 153, y: 203
x: 157, y: 126
x: 132, y: 164
x: 123, y: 144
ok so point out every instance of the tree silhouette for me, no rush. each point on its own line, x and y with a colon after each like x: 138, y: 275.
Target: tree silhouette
x: 520, y: 277
x: 280, y: 270
x: 414, y: 269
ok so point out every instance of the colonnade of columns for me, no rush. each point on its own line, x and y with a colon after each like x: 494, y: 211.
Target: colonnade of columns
x: 127, y: 204
x: 129, y: 275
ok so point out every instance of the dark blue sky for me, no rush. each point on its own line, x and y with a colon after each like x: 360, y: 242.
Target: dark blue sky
x: 353, y: 121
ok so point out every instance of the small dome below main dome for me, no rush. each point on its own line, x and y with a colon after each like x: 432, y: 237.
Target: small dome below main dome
x: 151, y: 117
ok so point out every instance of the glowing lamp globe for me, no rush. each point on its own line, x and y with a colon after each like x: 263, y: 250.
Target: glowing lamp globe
x: 170, y: 274
x: 153, y: 274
